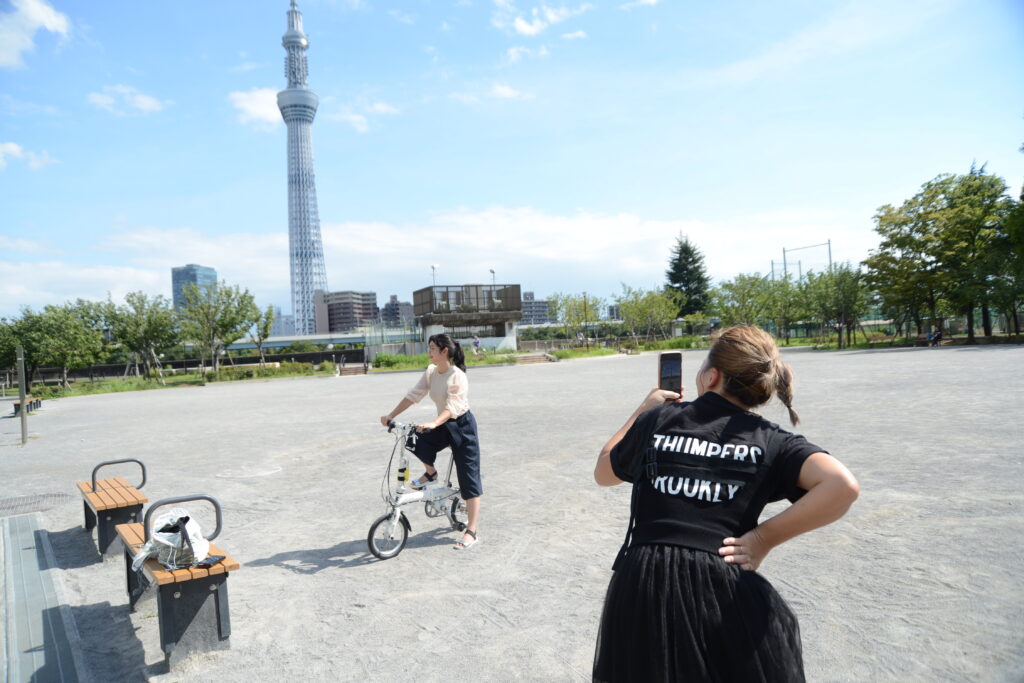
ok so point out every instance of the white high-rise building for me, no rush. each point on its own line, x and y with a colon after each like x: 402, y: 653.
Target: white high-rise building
x: 298, y: 107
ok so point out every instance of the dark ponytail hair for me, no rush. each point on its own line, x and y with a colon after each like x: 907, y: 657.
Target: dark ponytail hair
x: 455, y: 354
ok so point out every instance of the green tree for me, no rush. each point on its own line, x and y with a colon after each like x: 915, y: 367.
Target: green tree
x: 261, y: 331
x: 839, y: 297
x: 941, y: 247
x: 215, y: 317
x: 742, y: 300
x: 785, y: 305
x: 67, y: 338
x: 649, y: 310
x: 145, y: 326
x: 687, y: 276
x: 576, y: 312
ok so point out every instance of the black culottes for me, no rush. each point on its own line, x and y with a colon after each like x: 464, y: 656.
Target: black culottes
x: 677, y: 614
x: 460, y: 435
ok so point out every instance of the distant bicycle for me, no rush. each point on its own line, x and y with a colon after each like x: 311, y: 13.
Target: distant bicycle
x: 389, y: 533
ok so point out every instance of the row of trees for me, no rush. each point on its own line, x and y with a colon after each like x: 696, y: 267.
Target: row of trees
x: 79, y: 334
x: 957, y: 246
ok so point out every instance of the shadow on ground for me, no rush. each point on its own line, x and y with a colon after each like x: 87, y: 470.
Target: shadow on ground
x: 75, y: 548
x: 343, y: 555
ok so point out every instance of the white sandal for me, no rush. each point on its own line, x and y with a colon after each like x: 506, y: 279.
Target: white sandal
x: 421, y: 483
x: 463, y: 544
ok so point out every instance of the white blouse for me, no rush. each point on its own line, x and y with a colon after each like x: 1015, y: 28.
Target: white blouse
x: 448, y: 390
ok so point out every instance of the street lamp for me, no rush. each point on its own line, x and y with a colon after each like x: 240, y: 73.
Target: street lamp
x: 433, y: 273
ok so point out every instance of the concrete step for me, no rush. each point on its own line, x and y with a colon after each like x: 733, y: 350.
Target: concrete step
x: 42, y: 642
x: 352, y: 370
x: 530, y: 358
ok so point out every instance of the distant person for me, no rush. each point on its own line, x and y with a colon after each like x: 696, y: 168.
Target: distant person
x: 685, y: 602
x: 476, y: 345
x: 454, y: 427
x: 937, y: 337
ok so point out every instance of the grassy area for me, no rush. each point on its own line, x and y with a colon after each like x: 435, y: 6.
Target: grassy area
x: 388, y: 361
x: 564, y: 354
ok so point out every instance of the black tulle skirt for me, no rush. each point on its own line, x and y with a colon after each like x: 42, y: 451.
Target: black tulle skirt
x: 676, y: 614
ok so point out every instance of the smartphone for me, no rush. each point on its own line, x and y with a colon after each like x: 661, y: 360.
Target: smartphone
x: 670, y: 371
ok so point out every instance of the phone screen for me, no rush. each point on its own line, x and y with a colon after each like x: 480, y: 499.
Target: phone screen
x: 670, y: 371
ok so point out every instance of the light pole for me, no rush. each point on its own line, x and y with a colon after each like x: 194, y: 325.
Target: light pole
x: 433, y: 273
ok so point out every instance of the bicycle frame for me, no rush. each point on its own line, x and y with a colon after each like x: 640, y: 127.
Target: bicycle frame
x: 434, y: 497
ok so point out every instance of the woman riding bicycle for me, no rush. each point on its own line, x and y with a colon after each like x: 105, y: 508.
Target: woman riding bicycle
x: 685, y: 601
x: 454, y: 427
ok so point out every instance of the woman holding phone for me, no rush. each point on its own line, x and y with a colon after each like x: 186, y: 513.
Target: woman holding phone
x: 685, y: 601
x: 454, y: 427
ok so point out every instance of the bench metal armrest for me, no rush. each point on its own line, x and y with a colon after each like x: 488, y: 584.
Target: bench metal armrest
x: 115, y: 462
x: 183, y: 499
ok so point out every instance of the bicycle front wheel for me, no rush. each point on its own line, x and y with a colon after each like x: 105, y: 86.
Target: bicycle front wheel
x: 384, y: 540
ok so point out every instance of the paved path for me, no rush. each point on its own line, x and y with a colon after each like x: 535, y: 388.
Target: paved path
x: 919, y: 582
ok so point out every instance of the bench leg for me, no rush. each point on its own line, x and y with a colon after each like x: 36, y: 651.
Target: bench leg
x: 108, y: 519
x: 90, y: 517
x: 194, y: 617
x: 135, y: 583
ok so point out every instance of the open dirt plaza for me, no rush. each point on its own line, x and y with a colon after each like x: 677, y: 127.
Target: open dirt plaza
x: 920, y: 582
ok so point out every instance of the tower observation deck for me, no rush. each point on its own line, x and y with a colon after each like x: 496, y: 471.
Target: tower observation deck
x: 298, y: 106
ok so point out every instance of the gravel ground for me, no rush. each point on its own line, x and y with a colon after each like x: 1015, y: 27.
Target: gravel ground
x: 919, y: 582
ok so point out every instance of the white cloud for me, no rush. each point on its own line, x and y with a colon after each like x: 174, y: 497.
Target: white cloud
x: 382, y: 108
x: 18, y: 29
x: 38, y: 161
x: 529, y: 28
x: 516, y: 54
x: 12, y: 150
x: 402, y: 17
x: 540, y: 18
x: 849, y: 28
x: 505, y: 92
x: 9, y: 150
x: 357, y: 121
x: 8, y: 244
x: 575, y: 35
x: 638, y: 3
x: 119, y: 98
x: 257, y: 107
x: 543, y: 251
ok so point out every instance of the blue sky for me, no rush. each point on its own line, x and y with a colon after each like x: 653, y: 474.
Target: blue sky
x: 565, y: 146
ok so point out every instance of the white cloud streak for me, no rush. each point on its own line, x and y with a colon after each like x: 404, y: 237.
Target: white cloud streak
x: 575, y: 35
x: 850, y: 28
x: 122, y: 99
x: 506, y: 92
x: 638, y: 3
x: 257, y: 108
x: 36, y: 160
x: 543, y: 251
x: 19, y: 27
x: 506, y: 17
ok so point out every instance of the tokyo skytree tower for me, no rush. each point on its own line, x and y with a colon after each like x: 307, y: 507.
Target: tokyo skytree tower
x: 298, y: 107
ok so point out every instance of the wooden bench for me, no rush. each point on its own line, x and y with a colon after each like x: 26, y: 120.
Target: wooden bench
x: 31, y: 403
x: 109, y: 502
x: 192, y: 604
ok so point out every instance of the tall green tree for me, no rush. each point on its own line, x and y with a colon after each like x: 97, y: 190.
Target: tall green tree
x: 145, y: 326
x: 687, y: 276
x: 216, y: 316
x: 742, y: 300
x: 940, y: 248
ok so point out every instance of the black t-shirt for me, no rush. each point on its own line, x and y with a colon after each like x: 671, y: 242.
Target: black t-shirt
x: 709, y: 468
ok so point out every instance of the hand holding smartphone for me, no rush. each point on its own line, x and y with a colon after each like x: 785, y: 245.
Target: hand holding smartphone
x: 670, y: 371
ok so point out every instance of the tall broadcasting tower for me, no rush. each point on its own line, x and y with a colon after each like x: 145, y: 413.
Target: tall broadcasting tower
x: 298, y: 107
